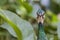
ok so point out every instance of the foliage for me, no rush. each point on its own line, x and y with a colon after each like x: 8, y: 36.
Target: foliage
x: 19, y: 18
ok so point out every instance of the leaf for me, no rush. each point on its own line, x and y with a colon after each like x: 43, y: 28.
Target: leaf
x: 1, y: 20
x: 52, y: 15
x: 57, y: 1
x: 26, y: 5
x: 14, y: 26
x: 2, y: 2
x: 20, y: 24
x: 21, y: 11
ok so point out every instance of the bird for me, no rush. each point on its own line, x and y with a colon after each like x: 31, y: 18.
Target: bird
x: 41, y: 33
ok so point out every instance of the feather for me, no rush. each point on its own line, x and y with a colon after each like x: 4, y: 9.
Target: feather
x: 41, y: 33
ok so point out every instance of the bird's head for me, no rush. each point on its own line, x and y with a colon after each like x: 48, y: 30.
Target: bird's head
x: 40, y: 16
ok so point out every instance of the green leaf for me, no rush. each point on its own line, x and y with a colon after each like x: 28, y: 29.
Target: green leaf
x: 2, y: 2
x: 14, y: 24
x: 26, y: 5
x: 1, y: 20
x: 21, y: 11
x: 57, y: 1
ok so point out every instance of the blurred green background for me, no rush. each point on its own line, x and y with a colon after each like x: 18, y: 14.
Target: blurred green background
x: 27, y: 9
